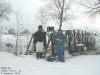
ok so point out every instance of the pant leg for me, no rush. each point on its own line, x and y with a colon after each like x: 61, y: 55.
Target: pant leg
x: 37, y: 55
x: 41, y: 55
x: 60, y: 52
x: 62, y: 55
x: 39, y: 49
x: 58, y: 55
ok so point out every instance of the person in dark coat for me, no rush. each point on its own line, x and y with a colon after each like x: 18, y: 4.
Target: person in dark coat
x: 40, y: 42
x: 59, y: 40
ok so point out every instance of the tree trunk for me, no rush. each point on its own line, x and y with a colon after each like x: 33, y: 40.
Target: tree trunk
x: 61, y: 14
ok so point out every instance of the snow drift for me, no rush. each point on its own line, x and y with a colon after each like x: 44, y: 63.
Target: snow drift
x: 81, y: 65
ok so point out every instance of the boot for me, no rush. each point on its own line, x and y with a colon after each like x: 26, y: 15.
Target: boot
x: 37, y: 55
x: 41, y: 55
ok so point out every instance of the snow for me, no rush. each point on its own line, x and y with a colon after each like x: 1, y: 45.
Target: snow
x: 98, y: 44
x: 8, y: 38
x: 11, y: 39
x: 29, y: 65
x: 80, y: 65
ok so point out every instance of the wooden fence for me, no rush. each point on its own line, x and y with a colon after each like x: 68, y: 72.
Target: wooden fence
x: 74, y: 38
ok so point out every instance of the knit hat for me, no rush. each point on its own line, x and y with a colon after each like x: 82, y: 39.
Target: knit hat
x: 40, y: 26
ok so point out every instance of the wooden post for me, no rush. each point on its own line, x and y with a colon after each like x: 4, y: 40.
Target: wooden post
x: 52, y: 44
x: 74, y: 33
x: 29, y: 45
x: 69, y: 40
x: 82, y: 36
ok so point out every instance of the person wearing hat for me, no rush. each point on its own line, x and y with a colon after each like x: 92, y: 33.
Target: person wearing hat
x: 40, y: 42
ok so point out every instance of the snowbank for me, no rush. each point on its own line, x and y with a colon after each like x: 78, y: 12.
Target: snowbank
x: 8, y: 39
x: 81, y: 65
x: 11, y: 39
x: 98, y: 44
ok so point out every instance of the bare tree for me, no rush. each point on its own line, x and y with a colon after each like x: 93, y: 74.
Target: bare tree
x: 20, y: 26
x: 42, y: 17
x: 17, y: 32
x: 93, y: 6
x: 5, y: 9
x: 58, y: 10
x: 18, y: 21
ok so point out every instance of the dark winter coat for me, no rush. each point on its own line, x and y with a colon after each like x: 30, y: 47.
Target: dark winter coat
x: 40, y: 37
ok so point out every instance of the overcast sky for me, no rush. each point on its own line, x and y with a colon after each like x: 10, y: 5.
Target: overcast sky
x: 28, y: 10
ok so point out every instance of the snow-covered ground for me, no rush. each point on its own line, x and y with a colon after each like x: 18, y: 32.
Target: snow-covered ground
x: 29, y: 65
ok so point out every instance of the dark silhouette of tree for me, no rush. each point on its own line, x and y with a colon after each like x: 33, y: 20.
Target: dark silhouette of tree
x: 58, y: 10
x: 26, y: 31
x: 93, y: 6
x: 5, y: 9
x: 11, y: 31
x: 42, y: 17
